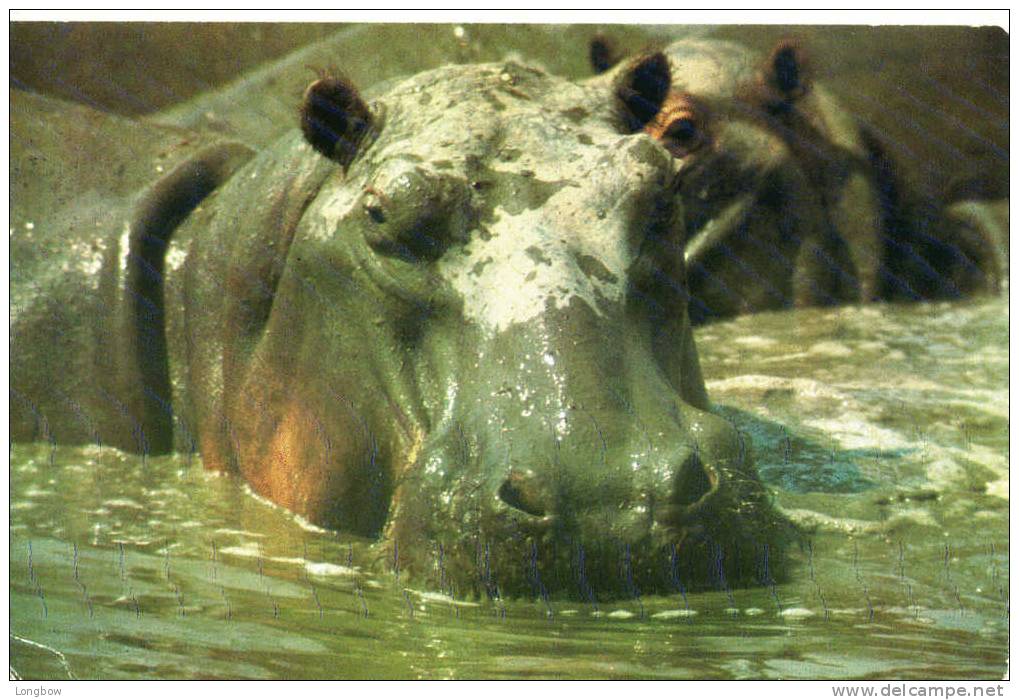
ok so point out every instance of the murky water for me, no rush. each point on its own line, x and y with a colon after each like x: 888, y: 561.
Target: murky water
x: 883, y: 432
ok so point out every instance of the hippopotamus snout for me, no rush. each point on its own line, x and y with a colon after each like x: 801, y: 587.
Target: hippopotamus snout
x: 684, y: 492
x: 607, y: 505
x: 568, y: 435
x: 596, y: 445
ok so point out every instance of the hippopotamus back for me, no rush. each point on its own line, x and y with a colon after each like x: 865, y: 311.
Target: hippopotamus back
x: 94, y: 198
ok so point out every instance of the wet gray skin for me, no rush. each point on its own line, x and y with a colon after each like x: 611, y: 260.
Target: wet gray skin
x: 465, y: 334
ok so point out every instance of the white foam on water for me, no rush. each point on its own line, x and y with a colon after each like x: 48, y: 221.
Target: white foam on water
x: 246, y: 488
x: 253, y: 550
x: 34, y: 492
x: 305, y: 525
x: 322, y: 568
x: 797, y: 613
x: 245, y: 549
x: 673, y: 614
x: 298, y: 520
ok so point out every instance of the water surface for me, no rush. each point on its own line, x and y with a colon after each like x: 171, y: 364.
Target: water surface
x: 882, y: 432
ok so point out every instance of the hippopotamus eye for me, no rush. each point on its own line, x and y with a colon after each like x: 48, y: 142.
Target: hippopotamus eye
x: 683, y: 136
x: 414, y: 214
x: 374, y: 204
x: 682, y: 130
x: 680, y: 125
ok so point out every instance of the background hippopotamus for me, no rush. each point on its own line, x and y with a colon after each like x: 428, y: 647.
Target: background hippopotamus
x: 452, y: 318
x: 792, y: 199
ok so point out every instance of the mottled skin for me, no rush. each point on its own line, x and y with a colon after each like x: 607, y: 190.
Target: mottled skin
x: 464, y: 333
x: 789, y: 201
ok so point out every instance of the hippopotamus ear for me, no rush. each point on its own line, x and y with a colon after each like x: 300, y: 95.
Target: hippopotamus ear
x: 602, y: 53
x: 334, y: 118
x: 642, y: 88
x: 786, y: 73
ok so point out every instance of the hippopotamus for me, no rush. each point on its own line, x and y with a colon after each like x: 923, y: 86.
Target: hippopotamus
x: 791, y: 201
x: 450, y: 315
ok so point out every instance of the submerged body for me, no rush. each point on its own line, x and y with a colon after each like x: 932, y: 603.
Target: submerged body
x: 463, y: 331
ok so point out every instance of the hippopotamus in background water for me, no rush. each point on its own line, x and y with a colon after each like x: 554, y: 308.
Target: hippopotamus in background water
x: 790, y: 201
x: 452, y: 318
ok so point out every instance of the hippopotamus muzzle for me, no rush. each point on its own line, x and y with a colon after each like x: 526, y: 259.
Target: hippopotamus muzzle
x: 570, y: 442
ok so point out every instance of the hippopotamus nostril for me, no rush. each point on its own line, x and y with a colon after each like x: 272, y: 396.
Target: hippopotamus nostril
x: 693, y: 482
x: 694, y: 486
x: 521, y: 491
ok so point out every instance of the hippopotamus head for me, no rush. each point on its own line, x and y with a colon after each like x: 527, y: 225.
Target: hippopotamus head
x: 779, y: 192
x: 472, y: 340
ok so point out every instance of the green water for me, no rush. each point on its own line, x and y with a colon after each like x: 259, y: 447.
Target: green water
x: 882, y: 431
